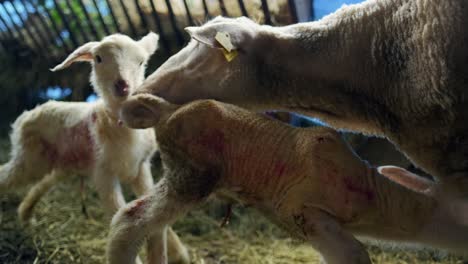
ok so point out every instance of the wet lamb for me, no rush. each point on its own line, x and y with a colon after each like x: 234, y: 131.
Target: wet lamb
x: 307, y: 180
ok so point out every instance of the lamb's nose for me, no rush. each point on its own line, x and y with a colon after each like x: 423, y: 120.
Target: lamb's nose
x: 121, y: 88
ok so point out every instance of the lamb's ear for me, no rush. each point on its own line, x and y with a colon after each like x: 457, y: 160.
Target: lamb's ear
x: 144, y: 110
x: 239, y: 34
x: 150, y: 42
x: 83, y: 53
x: 407, y: 179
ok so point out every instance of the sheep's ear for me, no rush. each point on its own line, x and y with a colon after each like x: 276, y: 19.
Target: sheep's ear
x: 144, y: 110
x: 240, y: 35
x: 82, y: 53
x: 407, y: 179
x: 156, y: 104
x: 150, y: 42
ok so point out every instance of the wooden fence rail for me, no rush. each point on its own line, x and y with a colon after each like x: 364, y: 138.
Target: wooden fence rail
x: 54, y: 27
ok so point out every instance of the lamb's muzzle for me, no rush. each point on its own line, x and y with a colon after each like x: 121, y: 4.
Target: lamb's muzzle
x: 121, y: 88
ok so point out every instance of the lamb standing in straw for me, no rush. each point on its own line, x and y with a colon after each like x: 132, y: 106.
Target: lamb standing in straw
x: 59, y: 139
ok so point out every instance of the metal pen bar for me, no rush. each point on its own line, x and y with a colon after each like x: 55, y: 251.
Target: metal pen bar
x: 101, y: 18
x: 75, y: 17
x: 54, y: 26
x: 157, y: 20
x: 44, y: 26
x: 114, y: 19
x: 127, y: 16
x: 266, y: 12
x: 44, y: 40
x: 10, y: 33
x: 312, y: 11
x: 293, y: 11
x: 65, y: 23
x: 178, y: 34
x: 18, y: 31
x: 222, y: 6
x: 89, y: 20
x: 242, y: 8
x: 31, y: 35
x: 144, y: 23
x: 205, y: 9
x: 189, y: 14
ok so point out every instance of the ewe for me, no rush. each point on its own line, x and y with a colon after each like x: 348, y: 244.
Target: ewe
x: 392, y: 68
x: 307, y: 180
x: 59, y: 139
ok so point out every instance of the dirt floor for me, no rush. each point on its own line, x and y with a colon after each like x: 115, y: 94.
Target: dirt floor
x: 61, y: 233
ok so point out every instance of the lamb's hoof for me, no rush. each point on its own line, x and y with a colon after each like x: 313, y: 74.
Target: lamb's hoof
x: 182, y: 256
x: 24, y: 213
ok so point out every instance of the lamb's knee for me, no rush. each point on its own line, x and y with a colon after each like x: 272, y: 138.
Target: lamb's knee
x: 128, y: 215
x: 127, y: 231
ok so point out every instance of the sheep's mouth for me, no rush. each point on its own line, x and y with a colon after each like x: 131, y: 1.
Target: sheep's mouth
x: 121, y: 92
x: 121, y: 88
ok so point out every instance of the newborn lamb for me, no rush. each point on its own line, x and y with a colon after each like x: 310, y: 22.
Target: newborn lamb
x: 59, y: 139
x: 307, y: 180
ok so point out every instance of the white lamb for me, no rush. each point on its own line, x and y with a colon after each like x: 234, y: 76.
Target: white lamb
x: 59, y: 139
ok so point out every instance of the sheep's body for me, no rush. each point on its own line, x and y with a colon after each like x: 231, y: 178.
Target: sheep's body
x: 307, y: 180
x: 393, y: 68
x: 58, y: 140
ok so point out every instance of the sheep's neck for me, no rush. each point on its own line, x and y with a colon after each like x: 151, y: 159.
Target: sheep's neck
x: 333, y: 70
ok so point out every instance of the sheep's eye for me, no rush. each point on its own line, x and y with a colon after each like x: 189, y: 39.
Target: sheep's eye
x: 141, y: 63
x: 98, y: 59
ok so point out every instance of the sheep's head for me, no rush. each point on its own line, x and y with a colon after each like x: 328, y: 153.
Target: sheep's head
x: 200, y: 70
x: 118, y: 63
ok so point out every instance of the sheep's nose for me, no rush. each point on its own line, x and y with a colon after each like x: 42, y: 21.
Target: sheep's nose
x: 121, y: 88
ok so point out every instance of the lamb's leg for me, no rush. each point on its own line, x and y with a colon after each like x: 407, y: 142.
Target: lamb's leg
x: 23, y: 169
x: 36, y: 192
x: 141, y: 185
x: 147, y: 216
x: 110, y: 192
x: 327, y: 236
x: 176, y: 250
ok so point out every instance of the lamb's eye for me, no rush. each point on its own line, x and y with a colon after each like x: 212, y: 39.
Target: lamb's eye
x: 141, y: 63
x: 98, y: 59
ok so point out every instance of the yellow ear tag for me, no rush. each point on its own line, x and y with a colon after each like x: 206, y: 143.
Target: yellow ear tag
x: 229, y: 55
x: 224, y: 39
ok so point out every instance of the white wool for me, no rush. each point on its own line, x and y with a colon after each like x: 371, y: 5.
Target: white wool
x: 58, y: 140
